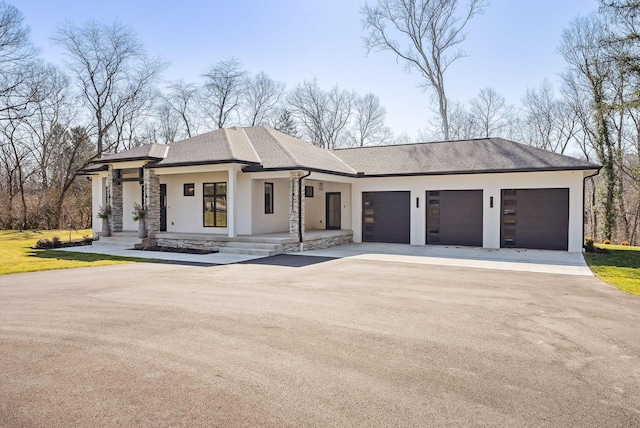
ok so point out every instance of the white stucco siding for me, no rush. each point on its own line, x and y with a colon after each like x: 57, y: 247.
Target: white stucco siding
x: 98, y: 199
x: 244, y: 204
x: 185, y: 213
x: 131, y: 193
x: 279, y: 220
x: 315, y: 208
x: 490, y: 184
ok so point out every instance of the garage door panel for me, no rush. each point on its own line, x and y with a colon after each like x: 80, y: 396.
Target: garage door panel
x: 454, y: 217
x: 386, y: 217
x: 535, y: 218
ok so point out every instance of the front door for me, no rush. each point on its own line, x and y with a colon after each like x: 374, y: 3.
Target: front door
x: 163, y: 207
x: 333, y: 210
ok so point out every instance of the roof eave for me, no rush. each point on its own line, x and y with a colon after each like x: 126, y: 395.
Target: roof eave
x: 199, y: 163
x: 258, y: 168
x: 486, y: 171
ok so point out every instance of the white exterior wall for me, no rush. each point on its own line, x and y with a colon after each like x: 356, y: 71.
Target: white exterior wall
x: 185, y: 213
x: 131, y: 193
x: 279, y: 220
x: 490, y: 184
x: 98, y: 199
x: 316, y: 207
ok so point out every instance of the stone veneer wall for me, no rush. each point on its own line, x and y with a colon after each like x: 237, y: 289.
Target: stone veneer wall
x: 115, y: 199
x: 294, y: 189
x: 152, y: 201
x: 318, y: 244
x: 196, y: 244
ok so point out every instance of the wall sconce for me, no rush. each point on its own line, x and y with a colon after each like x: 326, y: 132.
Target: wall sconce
x: 320, y: 186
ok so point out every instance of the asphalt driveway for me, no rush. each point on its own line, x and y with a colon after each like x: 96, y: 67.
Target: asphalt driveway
x: 312, y: 341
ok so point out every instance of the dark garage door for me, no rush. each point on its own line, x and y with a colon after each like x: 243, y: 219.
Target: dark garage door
x: 386, y: 217
x: 535, y: 218
x: 454, y: 217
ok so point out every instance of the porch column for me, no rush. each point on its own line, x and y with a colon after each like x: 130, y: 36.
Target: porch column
x: 231, y: 203
x: 115, y: 198
x: 294, y: 191
x: 152, y: 201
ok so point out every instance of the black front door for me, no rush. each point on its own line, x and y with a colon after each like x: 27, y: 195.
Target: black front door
x: 163, y: 207
x: 333, y: 210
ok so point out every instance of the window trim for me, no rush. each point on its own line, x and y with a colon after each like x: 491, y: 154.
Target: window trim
x: 268, y: 198
x: 308, y: 191
x: 215, y: 197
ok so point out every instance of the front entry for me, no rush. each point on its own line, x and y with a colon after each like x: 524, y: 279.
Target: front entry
x: 333, y: 210
x: 163, y: 208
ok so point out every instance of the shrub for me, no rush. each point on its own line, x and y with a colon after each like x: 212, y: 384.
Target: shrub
x: 589, y: 245
x: 625, y: 243
x: 606, y: 241
x: 43, y: 243
x: 55, y: 241
x: 104, y: 212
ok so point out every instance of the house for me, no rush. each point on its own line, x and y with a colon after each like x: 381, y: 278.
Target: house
x: 235, y: 184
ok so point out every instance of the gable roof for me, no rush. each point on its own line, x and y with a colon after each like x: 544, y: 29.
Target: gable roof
x: 457, y: 157
x: 261, y: 148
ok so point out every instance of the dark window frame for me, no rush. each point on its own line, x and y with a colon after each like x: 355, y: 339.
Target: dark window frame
x: 189, y: 189
x: 268, y: 198
x: 308, y: 191
x: 214, y: 198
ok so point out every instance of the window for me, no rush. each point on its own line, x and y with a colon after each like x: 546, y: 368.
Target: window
x: 214, y: 204
x: 308, y: 191
x: 189, y: 189
x: 268, y: 198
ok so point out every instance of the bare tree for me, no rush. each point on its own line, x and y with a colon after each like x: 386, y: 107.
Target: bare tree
x: 422, y: 34
x: 262, y: 99
x: 369, y: 122
x: 462, y: 124
x: 223, y: 91
x: 549, y: 123
x: 181, y: 98
x: 323, y: 115
x: 491, y: 114
x: 582, y: 49
x: 112, y: 71
x: 16, y: 53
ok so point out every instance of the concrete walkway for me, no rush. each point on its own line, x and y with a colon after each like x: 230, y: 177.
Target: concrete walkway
x: 196, y: 259
x: 543, y: 261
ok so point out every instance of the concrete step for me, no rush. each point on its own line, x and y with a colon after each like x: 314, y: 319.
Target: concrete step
x: 253, y: 245
x: 252, y: 248
x: 249, y: 251
x: 119, y: 240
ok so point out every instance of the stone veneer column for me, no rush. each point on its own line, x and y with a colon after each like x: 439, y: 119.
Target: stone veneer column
x: 152, y: 201
x: 293, y: 204
x: 115, y: 199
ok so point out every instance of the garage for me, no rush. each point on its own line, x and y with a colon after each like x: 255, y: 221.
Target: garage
x: 386, y: 217
x: 454, y: 217
x: 535, y: 218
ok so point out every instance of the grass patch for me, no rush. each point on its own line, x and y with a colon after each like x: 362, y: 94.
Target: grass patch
x: 621, y: 268
x: 17, y: 256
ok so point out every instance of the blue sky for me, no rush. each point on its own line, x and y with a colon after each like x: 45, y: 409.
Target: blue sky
x: 511, y: 47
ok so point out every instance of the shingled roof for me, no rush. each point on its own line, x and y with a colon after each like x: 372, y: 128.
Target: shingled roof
x: 457, y: 157
x: 261, y: 148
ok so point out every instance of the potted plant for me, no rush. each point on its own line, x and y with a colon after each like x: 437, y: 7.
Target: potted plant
x: 140, y: 214
x: 104, y: 213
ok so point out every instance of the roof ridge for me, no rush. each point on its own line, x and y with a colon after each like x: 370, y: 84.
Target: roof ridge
x: 227, y: 142
x: 284, y: 149
x: 255, y: 152
x: 416, y: 144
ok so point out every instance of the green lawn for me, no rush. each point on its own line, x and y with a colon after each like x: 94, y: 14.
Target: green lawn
x: 620, y: 268
x: 16, y: 254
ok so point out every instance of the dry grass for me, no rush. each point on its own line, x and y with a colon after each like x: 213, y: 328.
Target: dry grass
x: 16, y: 254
